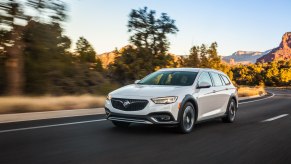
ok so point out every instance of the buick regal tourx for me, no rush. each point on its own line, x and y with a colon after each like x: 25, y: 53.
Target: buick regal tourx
x: 174, y: 96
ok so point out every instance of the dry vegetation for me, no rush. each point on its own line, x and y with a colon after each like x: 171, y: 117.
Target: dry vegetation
x: 244, y: 91
x: 47, y: 103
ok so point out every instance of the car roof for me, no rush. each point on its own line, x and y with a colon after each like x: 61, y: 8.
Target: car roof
x: 192, y: 70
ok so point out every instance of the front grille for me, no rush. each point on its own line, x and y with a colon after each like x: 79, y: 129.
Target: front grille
x: 128, y: 104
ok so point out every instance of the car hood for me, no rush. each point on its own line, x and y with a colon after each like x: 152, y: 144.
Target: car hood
x: 148, y: 90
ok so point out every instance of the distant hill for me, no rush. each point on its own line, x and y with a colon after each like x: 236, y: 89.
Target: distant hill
x: 283, y: 52
x: 107, y: 58
x: 243, y: 57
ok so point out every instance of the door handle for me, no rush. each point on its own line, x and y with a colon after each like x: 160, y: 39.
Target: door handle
x: 214, y: 91
x: 226, y: 88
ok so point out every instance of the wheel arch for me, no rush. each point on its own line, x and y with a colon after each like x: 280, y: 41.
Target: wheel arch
x: 233, y: 96
x: 191, y: 99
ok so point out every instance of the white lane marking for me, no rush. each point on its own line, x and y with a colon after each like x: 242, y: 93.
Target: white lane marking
x: 273, y: 94
x: 275, y: 118
x: 48, y: 126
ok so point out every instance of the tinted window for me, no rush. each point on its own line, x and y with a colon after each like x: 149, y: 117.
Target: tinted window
x: 204, y: 77
x: 225, y: 79
x: 179, y: 78
x: 216, y: 79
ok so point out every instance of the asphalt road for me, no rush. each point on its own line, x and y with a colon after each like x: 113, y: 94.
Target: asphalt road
x: 261, y: 134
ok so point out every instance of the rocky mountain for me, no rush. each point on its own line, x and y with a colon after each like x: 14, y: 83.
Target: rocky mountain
x: 283, y: 52
x: 243, y: 57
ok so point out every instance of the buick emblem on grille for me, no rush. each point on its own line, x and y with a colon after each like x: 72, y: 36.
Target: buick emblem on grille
x: 126, y: 103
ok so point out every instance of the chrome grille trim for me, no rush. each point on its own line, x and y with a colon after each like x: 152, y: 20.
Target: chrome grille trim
x: 129, y: 120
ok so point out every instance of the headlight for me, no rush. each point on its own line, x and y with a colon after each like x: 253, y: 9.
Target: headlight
x: 164, y: 100
x: 108, y: 97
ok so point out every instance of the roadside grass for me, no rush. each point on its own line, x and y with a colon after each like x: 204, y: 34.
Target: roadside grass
x: 48, y: 103
x: 246, y: 91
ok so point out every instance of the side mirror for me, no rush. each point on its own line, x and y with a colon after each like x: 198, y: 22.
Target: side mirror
x: 136, y: 81
x: 203, y: 85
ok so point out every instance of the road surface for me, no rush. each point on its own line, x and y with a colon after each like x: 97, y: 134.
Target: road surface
x: 261, y: 134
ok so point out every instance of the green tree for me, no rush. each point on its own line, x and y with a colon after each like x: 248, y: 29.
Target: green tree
x: 193, y: 59
x: 129, y: 65
x: 204, y: 57
x: 3, y: 41
x: 47, y: 58
x: 85, y: 51
x: 285, y: 76
x: 149, y: 34
x: 214, y: 59
x: 99, y: 66
x: 10, y: 12
x: 149, y: 49
x: 272, y: 74
x: 275, y: 73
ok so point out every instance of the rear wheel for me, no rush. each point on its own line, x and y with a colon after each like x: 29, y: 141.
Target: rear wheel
x: 187, y: 119
x: 121, y: 124
x: 231, y: 112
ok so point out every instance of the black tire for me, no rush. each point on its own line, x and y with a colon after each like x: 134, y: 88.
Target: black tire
x: 187, y: 118
x: 230, y: 112
x: 120, y: 124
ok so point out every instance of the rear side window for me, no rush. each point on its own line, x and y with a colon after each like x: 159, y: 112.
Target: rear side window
x: 216, y: 79
x: 225, y: 79
x: 205, y: 77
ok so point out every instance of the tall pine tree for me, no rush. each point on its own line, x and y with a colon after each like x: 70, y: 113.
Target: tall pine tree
x: 149, y: 34
x: 193, y: 59
x: 204, y: 57
x: 85, y: 51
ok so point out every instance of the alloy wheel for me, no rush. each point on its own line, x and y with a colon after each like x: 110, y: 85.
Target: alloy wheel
x: 188, y: 118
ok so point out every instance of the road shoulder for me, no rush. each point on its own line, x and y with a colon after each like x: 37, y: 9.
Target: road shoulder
x: 17, y: 117
x: 255, y: 98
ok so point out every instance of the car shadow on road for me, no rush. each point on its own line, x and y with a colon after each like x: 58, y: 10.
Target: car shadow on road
x: 140, y: 129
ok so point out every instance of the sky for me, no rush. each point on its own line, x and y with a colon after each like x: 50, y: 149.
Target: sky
x: 249, y: 25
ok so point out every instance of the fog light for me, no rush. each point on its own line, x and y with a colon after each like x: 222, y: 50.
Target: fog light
x: 107, y: 112
x: 162, y: 118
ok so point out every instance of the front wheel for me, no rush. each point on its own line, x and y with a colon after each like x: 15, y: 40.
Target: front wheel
x: 121, y: 124
x: 230, y: 112
x: 187, y: 119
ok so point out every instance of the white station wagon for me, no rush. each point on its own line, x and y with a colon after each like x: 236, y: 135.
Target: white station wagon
x: 174, y: 96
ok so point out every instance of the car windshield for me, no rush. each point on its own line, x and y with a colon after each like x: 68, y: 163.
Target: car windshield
x: 177, y: 78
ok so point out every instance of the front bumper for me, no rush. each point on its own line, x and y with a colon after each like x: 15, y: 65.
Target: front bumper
x: 160, y: 118
x: 148, y: 110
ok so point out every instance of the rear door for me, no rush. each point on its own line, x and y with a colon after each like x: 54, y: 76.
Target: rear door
x: 220, y: 91
x: 228, y: 90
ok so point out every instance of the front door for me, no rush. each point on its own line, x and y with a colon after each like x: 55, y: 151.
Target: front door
x: 206, y: 96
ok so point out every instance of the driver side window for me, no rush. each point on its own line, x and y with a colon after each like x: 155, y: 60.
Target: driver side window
x: 205, y: 77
